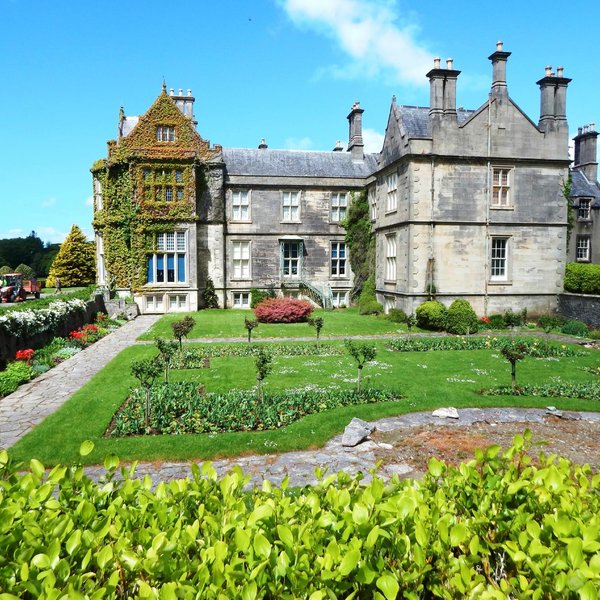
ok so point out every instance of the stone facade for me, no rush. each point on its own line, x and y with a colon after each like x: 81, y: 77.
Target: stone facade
x: 465, y: 204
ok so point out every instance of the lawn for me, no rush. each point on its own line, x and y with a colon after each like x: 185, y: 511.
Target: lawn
x: 230, y: 324
x: 427, y: 380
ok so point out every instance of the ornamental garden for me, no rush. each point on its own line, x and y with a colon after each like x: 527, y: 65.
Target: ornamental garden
x: 500, y: 525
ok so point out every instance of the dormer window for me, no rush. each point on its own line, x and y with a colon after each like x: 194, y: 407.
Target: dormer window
x: 165, y: 133
x: 584, y: 209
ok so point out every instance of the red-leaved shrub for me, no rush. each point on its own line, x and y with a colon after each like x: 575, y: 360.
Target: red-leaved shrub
x: 283, y: 310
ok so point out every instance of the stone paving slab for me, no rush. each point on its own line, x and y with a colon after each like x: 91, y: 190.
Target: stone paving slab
x: 22, y: 410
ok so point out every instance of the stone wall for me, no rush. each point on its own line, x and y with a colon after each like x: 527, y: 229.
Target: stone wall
x: 583, y: 307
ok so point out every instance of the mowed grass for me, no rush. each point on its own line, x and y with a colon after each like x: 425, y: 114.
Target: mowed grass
x: 219, y: 323
x: 426, y: 380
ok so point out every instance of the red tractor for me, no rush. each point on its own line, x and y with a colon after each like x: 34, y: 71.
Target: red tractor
x: 13, y: 288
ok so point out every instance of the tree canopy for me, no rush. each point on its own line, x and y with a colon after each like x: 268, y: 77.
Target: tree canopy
x: 75, y: 263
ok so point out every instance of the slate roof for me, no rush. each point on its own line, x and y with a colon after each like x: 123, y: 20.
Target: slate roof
x: 581, y: 186
x: 296, y: 163
x: 415, y: 119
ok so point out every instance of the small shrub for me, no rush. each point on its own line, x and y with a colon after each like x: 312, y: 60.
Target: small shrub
x: 594, y: 334
x: 15, y: 374
x: 396, y: 315
x: 250, y: 324
x: 461, y: 318
x: 575, y: 327
x: 209, y: 295
x: 283, y: 310
x: 432, y: 315
x: 515, y: 319
x: 549, y: 322
x: 182, y: 329
x: 370, y: 308
x: 496, y: 322
x: 581, y: 278
x: 257, y: 296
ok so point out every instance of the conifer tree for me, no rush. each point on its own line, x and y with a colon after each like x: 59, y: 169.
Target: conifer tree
x: 75, y: 263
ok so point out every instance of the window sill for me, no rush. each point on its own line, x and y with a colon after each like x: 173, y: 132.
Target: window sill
x: 162, y: 286
x: 582, y: 260
x: 500, y: 282
x: 390, y: 212
x: 244, y: 221
x: 494, y: 207
x: 242, y: 279
x: 389, y: 282
x: 292, y: 222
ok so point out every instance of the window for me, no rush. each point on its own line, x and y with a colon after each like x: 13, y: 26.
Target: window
x: 291, y: 206
x: 168, y: 263
x: 373, y: 203
x: 499, y: 259
x: 163, y: 185
x: 584, y: 209
x: 241, y: 300
x: 338, y: 259
x: 501, y: 187
x: 392, y: 193
x: 165, y: 133
x: 390, y: 261
x: 583, y: 250
x: 154, y: 303
x: 241, y: 260
x: 339, y: 203
x: 177, y: 302
x: 339, y: 298
x: 291, y: 257
x: 240, y: 205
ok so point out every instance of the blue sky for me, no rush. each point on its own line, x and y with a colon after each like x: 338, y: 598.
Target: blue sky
x: 285, y: 70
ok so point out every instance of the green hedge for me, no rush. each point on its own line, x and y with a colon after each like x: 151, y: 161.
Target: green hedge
x: 582, y: 278
x: 496, y: 527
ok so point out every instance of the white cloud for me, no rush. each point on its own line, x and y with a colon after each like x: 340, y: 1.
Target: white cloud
x: 373, y: 140
x: 304, y: 143
x: 48, y: 202
x: 368, y: 32
x: 51, y: 234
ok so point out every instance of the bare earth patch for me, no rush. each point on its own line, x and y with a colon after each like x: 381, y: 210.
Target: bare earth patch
x: 576, y: 440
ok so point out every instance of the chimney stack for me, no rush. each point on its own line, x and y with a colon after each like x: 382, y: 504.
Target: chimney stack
x: 338, y: 146
x: 442, y: 90
x: 499, y: 59
x: 355, y: 139
x: 585, y: 151
x: 185, y: 103
x: 553, y: 100
x: 263, y: 144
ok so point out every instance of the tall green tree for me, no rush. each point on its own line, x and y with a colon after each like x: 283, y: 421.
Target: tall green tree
x: 360, y: 240
x: 75, y: 263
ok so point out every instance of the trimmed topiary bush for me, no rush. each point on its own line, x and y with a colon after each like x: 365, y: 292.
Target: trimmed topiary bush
x: 461, y: 318
x: 581, y: 278
x: 396, y: 315
x: 432, y: 315
x: 283, y: 310
x: 574, y: 327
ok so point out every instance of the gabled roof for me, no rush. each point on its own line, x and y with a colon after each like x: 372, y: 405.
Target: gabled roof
x: 581, y: 186
x: 296, y: 163
x: 414, y: 120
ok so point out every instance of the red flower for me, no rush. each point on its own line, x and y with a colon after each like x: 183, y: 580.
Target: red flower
x: 25, y: 355
x: 485, y: 320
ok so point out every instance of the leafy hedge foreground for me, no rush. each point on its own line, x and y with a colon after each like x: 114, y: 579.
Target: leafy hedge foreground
x: 496, y: 527
x: 586, y: 391
x: 182, y: 408
x: 535, y: 347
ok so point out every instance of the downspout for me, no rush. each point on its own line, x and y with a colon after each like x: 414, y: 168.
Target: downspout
x: 431, y: 263
x: 487, y: 208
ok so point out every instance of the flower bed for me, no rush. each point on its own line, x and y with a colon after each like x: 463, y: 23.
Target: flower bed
x: 585, y: 391
x: 30, y: 363
x: 536, y: 347
x: 183, y: 408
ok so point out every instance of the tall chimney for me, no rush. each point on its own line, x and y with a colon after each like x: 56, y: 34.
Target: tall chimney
x: 355, y: 139
x: 553, y: 100
x: 442, y: 91
x: 185, y: 103
x: 499, y: 59
x: 586, y: 150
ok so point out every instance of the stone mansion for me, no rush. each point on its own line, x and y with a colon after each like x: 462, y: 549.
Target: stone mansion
x: 464, y: 204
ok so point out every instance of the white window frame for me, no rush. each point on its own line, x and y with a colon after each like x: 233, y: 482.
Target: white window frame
x: 338, y: 265
x: 177, y: 302
x: 391, y: 248
x: 339, y: 298
x: 241, y: 258
x: 170, y: 243
x: 338, y: 206
x: 499, y: 258
x: 391, y: 202
x: 240, y: 206
x: 241, y: 299
x: 291, y: 261
x: 584, y: 209
x: 154, y: 302
x: 373, y: 203
x: 501, y: 186
x: 165, y: 133
x: 583, y: 248
x: 290, y: 206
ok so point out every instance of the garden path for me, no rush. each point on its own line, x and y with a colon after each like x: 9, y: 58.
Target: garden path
x: 22, y: 410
